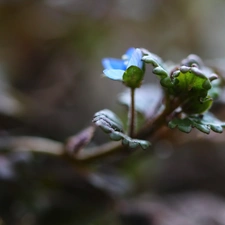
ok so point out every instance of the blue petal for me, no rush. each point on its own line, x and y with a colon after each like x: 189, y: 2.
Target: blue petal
x: 128, y: 54
x: 135, y: 59
x: 114, y: 74
x: 111, y: 63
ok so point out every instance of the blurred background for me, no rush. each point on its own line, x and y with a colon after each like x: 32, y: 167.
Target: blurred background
x: 51, y: 84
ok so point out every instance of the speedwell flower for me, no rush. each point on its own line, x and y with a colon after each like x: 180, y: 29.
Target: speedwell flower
x: 129, y: 69
x: 113, y: 63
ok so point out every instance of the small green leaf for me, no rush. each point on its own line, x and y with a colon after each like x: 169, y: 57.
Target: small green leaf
x: 108, y: 121
x: 182, y: 124
x: 191, y: 85
x: 197, y: 105
x: 150, y: 58
x: 134, y: 143
x: 190, y: 81
x: 116, y: 136
x: 111, y: 124
x: 158, y: 69
x: 195, y: 61
x: 133, y: 77
x: 204, y: 123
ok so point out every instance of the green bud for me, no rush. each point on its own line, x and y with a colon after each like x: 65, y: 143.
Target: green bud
x: 133, y: 77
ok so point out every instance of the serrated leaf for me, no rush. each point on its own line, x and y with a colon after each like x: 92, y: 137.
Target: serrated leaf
x: 158, y: 69
x: 208, y: 72
x: 193, y: 60
x: 152, y: 59
x: 133, y: 143
x: 108, y: 121
x: 197, y: 105
x: 130, y: 142
x: 203, y: 123
x: 111, y: 124
x: 147, y: 99
x: 192, y: 86
x: 182, y: 124
x: 190, y: 81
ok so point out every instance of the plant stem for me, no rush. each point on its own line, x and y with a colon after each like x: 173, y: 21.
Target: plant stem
x: 43, y: 145
x: 153, y: 125
x: 131, y: 115
x: 32, y: 144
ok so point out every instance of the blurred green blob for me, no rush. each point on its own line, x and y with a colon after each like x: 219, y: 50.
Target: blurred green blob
x: 133, y: 77
x: 203, y: 123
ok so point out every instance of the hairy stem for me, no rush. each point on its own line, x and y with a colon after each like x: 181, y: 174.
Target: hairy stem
x: 131, y: 115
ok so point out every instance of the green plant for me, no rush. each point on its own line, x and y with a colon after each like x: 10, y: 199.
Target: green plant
x: 186, y: 96
x: 183, y: 100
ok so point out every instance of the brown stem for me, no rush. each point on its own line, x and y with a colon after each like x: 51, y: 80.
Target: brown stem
x: 153, y: 125
x: 148, y: 130
x: 131, y: 115
x: 87, y: 155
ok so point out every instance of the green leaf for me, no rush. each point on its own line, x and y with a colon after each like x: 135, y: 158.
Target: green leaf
x: 108, y: 121
x: 158, y: 70
x: 191, y: 85
x: 194, y: 60
x: 209, y: 72
x: 111, y: 124
x: 204, y: 123
x: 182, y: 124
x: 197, y: 105
x: 133, y: 77
x: 190, y: 81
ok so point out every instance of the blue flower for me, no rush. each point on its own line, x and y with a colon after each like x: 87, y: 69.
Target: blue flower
x: 115, y: 68
x: 112, y: 63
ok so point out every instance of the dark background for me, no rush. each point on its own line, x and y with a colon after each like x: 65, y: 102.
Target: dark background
x: 51, y: 84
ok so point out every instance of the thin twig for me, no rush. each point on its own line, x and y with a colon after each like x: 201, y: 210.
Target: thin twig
x: 153, y: 125
x: 35, y: 144
x: 131, y: 115
x: 99, y: 152
x: 43, y: 145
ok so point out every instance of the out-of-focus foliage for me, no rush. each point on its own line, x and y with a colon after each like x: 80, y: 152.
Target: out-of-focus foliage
x: 50, y: 55
x: 204, y: 123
